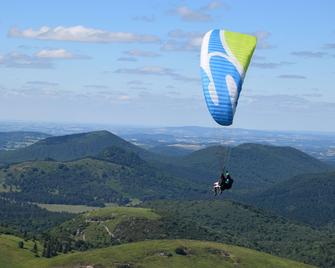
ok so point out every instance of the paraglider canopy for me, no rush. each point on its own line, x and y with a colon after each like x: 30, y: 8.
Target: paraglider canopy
x: 224, y: 60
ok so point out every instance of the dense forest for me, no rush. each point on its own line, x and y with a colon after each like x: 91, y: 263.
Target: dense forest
x: 28, y: 219
x: 307, y: 198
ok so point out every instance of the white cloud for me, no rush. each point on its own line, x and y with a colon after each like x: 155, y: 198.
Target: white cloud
x: 19, y: 60
x: 180, y: 40
x: 215, y: 5
x: 188, y: 14
x: 285, y: 104
x: 42, y: 59
x: 263, y: 39
x: 176, y: 45
x: 80, y: 33
x: 114, y: 96
x: 200, y: 15
x: 34, y: 91
x: 59, y: 53
x: 151, y: 70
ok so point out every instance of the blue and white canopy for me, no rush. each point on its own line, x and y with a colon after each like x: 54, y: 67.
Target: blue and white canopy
x: 225, y: 57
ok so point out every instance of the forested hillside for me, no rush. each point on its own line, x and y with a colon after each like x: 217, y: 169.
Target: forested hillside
x: 254, y: 166
x: 244, y: 225
x: 69, y: 147
x: 113, y: 176
x: 27, y: 219
x: 309, y: 198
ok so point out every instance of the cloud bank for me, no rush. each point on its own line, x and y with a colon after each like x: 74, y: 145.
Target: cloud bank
x: 81, y: 33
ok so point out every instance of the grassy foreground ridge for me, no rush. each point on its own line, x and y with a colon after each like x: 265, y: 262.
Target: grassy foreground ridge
x: 153, y: 253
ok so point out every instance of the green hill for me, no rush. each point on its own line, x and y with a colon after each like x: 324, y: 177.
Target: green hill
x: 109, y: 226
x: 254, y: 166
x: 115, y: 225
x: 309, y: 198
x: 91, y: 181
x: 11, y: 256
x: 243, y: 225
x: 69, y: 147
x: 219, y: 221
x: 154, y: 253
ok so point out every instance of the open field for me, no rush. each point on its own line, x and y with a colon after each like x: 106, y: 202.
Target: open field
x: 66, y: 208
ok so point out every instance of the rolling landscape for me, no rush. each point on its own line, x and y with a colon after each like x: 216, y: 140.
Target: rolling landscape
x: 167, y: 134
x: 98, y: 193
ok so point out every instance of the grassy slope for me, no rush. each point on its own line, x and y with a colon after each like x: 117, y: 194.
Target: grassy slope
x: 243, y: 225
x: 120, y: 212
x: 145, y: 254
x: 11, y: 256
x: 107, y: 226
x: 66, y: 208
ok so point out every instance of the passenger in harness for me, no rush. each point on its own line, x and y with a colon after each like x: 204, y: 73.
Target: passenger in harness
x: 224, y: 183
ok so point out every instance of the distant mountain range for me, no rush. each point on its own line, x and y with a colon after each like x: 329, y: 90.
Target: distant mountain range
x: 99, y: 167
x: 170, y: 140
x: 254, y: 166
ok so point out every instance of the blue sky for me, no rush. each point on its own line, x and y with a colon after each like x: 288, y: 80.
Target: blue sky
x: 137, y: 62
